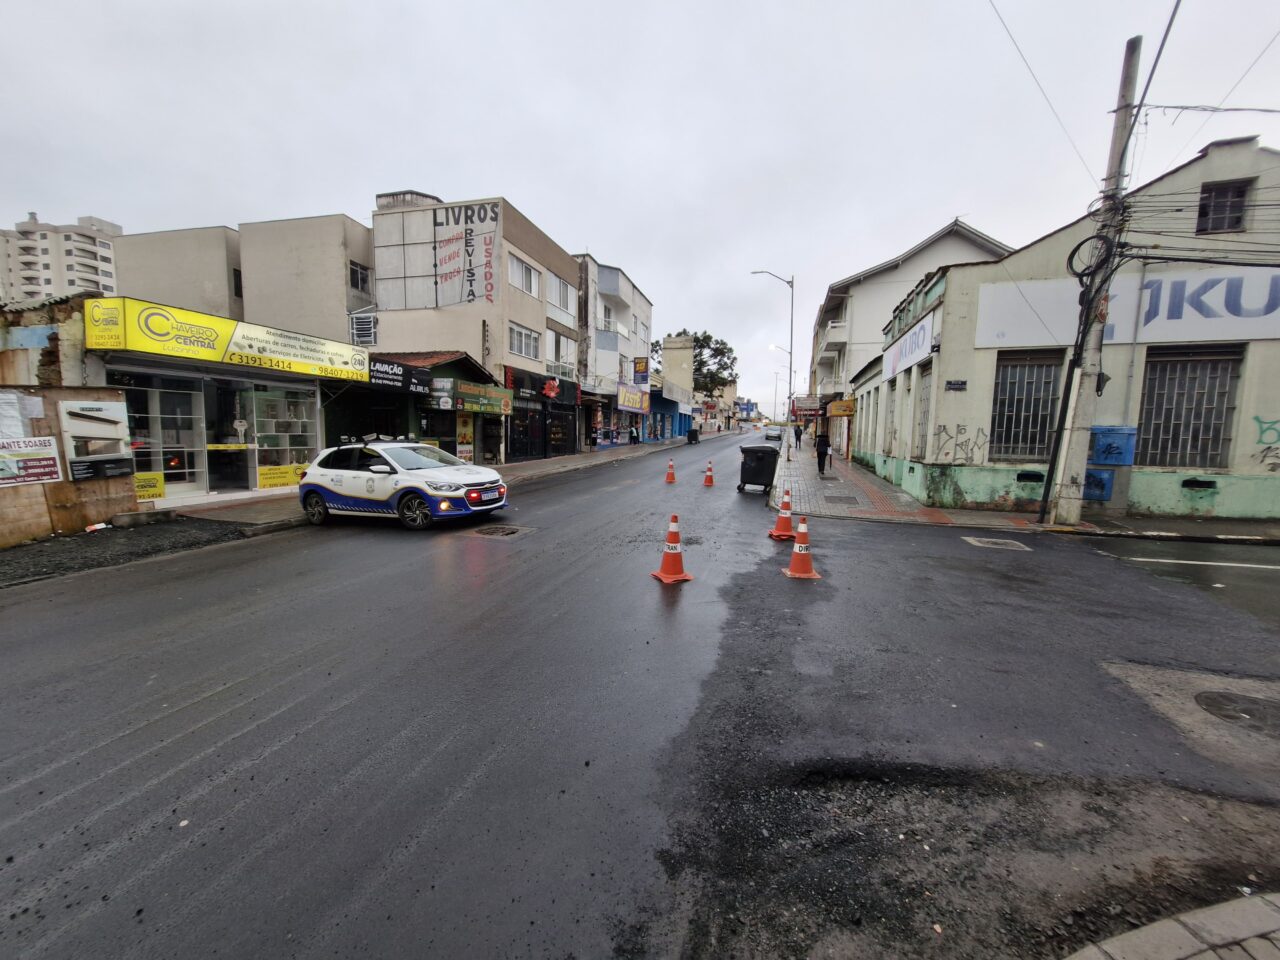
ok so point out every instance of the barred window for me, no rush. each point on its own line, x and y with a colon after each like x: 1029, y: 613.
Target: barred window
x: 1024, y: 405
x: 1188, y: 398
x: 1222, y: 207
x: 922, y: 412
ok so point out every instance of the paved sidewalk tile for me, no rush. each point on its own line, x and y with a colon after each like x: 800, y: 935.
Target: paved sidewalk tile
x: 1089, y: 953
x: 1235, y: 921
x: 1260, y: 949
x: 1165, y: 940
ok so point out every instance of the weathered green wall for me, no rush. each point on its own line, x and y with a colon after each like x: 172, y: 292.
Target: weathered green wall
x: 1157, y: 493
x: 1151, y: 492
x: 976, y: 488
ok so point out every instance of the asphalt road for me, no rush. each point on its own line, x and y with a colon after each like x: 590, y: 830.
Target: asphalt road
x: 358, y: 741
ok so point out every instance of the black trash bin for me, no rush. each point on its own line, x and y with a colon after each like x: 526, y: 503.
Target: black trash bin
x: 759, y: 464
x: 692, y: 436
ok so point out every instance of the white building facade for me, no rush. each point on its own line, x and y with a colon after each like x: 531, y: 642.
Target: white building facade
x: 962, y: 405
x: 616, y: 330
x: 848, y: 330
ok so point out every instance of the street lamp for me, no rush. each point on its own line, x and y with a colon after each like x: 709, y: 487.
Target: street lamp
x: 776, y: 375
x: 791, y: 342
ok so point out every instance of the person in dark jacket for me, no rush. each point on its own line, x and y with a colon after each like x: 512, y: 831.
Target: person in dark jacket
x: 823, y: 446
x: 799, y: 433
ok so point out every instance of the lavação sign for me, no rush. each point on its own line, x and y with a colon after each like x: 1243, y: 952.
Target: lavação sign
x: 122, y: 323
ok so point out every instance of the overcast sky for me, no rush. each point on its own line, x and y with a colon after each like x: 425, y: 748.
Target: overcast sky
x: 688, y: 143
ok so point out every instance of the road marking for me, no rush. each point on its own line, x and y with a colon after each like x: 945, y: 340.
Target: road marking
x: 1205, y: 563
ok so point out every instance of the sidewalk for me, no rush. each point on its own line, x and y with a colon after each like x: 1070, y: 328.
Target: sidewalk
x: 851, y: 492
x: 1244, y: 929
x: 280, y: 511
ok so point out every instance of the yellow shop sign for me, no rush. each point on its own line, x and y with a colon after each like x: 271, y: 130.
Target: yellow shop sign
x: 122, y: 323
x: 840, y: 408
x: 288, y: 475
x: 148, y: 486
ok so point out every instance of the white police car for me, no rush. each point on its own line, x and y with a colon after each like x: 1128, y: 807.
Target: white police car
x: 416, y: 482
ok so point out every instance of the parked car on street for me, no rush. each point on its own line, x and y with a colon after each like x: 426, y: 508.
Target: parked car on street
x: 773, y: 432
x: 414, y: 482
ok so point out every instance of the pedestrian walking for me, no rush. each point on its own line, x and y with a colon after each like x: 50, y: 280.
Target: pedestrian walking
x: 635, y: 436
x: 799, y: 434
x: 823, y: 446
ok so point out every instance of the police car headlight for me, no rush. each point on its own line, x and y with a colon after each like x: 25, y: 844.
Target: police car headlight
x: 444, y: 487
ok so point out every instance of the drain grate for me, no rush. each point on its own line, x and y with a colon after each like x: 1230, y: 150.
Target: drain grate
x: 840, y: 499
x: 1258, y: 714
x: 995, y: 543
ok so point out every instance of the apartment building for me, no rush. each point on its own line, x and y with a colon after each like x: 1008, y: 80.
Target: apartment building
x: 616, y: 331
x: 478, y: 276
x: 39, y: 259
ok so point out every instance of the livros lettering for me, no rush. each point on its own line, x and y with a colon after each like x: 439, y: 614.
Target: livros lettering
x: 466, y: 214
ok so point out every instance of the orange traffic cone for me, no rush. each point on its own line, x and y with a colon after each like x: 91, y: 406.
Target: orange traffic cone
x: 672, y: 570
x: 801, y: 563
x: 671, y: 471
x: 782, y: 528
x: 709, y: 480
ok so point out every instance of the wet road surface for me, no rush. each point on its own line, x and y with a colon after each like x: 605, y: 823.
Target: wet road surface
x: 358, y: 741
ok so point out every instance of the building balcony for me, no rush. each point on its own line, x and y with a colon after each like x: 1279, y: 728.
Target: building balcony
x: 564, y: 371
x: 613, y: 286
x: 830, y: 385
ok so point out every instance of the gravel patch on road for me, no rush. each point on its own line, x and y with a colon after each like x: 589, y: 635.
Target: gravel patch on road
x: 110, y: 547
x: 774, y: 855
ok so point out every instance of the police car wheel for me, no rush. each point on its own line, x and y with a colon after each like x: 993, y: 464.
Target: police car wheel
x: 315, y: 508
x: 414, y: 512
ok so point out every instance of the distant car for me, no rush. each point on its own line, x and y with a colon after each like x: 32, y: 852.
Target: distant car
x: 415, y: 482
x: 773, y: 432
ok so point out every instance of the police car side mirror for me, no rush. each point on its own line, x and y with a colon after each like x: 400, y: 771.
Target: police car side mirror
x: 379, y: 468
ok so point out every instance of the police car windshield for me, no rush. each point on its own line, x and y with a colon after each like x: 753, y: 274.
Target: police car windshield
x: 421, y: 458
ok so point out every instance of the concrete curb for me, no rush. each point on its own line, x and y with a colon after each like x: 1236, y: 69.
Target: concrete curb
x: 1246, y: 928
x: 775, y: 501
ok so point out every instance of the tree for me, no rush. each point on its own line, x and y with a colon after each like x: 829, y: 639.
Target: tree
x: 715, y: 365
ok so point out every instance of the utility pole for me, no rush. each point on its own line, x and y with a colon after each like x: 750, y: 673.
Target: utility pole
x: 1071, y: 443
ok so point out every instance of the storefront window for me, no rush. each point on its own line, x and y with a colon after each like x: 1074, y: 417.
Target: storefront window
x: 165, y: 419
x: 286, y: 431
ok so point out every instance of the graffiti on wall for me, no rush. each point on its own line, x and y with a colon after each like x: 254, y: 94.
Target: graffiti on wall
x: 1269, y: 457
x: 957, y: 445
x: 1268, y: 430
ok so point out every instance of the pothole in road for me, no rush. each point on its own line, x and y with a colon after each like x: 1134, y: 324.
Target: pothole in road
x: 1258, y: 714
x: 500, y: 531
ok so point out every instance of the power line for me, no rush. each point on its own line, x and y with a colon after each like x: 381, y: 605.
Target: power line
x: 1093, y: 181
x: 1133, y: 120
x: 1195, y: 133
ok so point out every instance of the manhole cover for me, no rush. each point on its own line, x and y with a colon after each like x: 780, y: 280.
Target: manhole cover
x: 499, y: 531
x: 836, y: 499
x: 1253, y: 713
x: 995, y: 544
